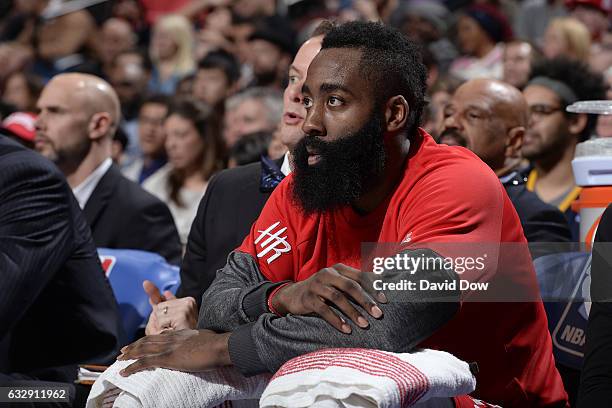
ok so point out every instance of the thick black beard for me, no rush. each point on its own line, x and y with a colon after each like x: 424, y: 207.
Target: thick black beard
x: 346, y: 169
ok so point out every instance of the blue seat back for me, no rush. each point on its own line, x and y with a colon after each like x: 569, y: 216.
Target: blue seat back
x: 126, y: 269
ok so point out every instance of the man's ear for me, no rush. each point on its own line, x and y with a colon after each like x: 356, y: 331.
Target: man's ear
x: 396, y: 113
x: 99, y: 125
x: 577, y: 123
x: 515, y: 141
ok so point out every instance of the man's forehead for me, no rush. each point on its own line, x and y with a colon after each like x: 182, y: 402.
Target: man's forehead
x: 333, y: 64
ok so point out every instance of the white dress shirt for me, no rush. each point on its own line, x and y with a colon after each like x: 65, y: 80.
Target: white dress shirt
x: 83, y: 191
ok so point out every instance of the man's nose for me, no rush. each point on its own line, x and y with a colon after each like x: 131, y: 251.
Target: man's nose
x: 313, y: 123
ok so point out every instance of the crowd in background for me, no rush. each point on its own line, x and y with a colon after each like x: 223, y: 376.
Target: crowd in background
x: 200, y: 82
x: 205, y: 85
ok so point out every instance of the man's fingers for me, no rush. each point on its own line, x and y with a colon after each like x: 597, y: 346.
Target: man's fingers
x: 339, y: 299
x: 169, y: 295
x: 143, y: 350
x: 144, y: 363
x: 365, y: 280
x: 152, y: 291
x: 359, y: 295
x: 330, y: 317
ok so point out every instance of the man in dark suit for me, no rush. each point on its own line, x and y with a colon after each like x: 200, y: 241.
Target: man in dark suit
x: 56, y: 307
x: 489, y: 117
x: 233, y: 200
x: 78, y: 116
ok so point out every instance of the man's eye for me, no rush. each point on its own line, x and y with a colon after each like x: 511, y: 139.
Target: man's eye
x: 307, y: 102
x: 334, y: 101
x: 293, y: 79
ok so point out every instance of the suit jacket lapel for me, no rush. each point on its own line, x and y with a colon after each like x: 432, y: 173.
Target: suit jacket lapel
x: 101, y: 195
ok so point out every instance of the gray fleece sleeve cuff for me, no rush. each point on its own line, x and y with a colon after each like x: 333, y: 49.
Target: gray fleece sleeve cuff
x: 243, y: 351
x: 255, y: 303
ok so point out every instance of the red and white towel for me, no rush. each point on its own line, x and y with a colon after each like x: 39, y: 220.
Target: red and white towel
x: 367, y: 378
x: 325, y: 378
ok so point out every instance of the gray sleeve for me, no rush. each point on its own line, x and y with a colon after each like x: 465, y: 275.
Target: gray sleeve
x: 410, y: 316
x: 237, y: 296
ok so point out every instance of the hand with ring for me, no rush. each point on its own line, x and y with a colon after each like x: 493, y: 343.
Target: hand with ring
x: 169, y: 313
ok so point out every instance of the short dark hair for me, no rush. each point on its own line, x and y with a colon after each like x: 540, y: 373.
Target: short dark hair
x: 158, y: 99
x: 586, y: 84
x: 224, y: 61
x: 390, y: 62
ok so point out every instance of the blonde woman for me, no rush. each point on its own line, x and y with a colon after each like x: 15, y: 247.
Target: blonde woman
x: 171, y: 52
x: 567, y: 37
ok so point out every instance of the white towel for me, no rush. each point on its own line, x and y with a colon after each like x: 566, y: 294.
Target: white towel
x: 325, y: 378
x: 367, y: 378
x: 173, y: 389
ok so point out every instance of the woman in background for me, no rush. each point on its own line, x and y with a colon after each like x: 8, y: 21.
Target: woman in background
x: 171, y: 52
x: 567, y: 37
x: 195, y: 152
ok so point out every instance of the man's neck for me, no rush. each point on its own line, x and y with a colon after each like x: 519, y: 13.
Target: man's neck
x: 84, y: 169
x: 397, y: 152
x: 554, y: 177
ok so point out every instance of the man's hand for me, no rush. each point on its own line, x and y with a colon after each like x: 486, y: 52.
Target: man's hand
x: 169, y: 313
x: 183, y: 350
x: 336, y: 285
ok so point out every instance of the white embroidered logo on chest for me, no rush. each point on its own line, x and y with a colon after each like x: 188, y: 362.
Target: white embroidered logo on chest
x: 407, y: 238
x: 274, y: 242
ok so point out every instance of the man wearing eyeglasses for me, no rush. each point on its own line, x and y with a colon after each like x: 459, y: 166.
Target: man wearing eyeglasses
x: 553, y: 134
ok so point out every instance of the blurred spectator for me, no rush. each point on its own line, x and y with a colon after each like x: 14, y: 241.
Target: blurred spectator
x: 519, y: 57
x: 271, y: 51
x: 129, y: 77
x: 427, y: 22
x: 60, y: 41
x: 216, y: 78
x: 251, y: 9
x: 601, y: 54
x: 553, y: 133
x: 151, y: 137
x: 78, y: 117
x: 604, y: 122
x: 116, y: 37
x: 20, y: 126
x: 489, y: 117
x: 594, y: 14
x: 481, y: 31
x: 22, y: 90
x: 184, y: 88
x: 120, y: 142
x: 439, y: 95
x: 567, y: 37
x: 249, y: 149
x: 171, y: 51
x: 195, y: 152
x: 533, y: 17
x: 155, y: 10
x: 252, y: 110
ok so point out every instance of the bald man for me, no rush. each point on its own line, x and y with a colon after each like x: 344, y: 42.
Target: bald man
x: 489, y: 117
x: 78, y: 117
